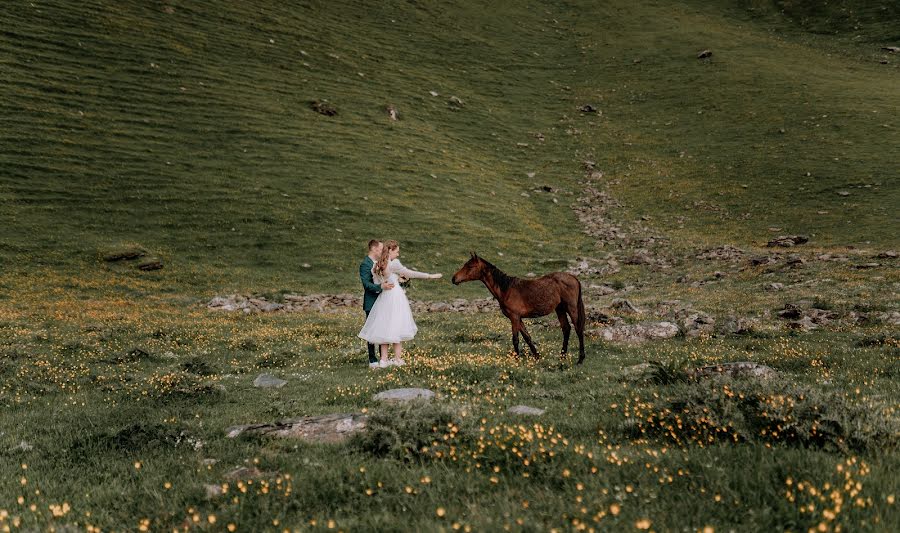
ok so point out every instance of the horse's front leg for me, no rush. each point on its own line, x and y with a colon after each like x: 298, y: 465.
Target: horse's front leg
x: 516, y: 326
x: 527, y: 338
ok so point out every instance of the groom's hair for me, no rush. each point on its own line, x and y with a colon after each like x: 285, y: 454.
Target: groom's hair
x: 373, y: 243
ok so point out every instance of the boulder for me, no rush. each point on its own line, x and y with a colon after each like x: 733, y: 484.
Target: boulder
x: 704, y: 54
x: 268, y: 381
x: 787, y: 241
x: 323, y: 107
x: 697, y: 323
x: 625, y: 306
x: 525, y: 410
x: 734, y: 370
x: 404, y: 395
x: 636, y: 333
x: 150, y: 264
x: 333, y: 428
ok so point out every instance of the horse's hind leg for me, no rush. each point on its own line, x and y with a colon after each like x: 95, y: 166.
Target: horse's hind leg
x: 564, y: 325
x: 577, y: 314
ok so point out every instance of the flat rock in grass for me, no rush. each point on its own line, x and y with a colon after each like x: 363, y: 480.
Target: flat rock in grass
x: 131, y: 252
x: 213, y: 491
x: 268, y: 381
x: 404, y: 395
x: 244, y: 472
x: 150, y: 264
x: 636, y: 333
x: 638, y: 372
x: 333, y: 428
x: 787, y: 241
x: 743, y: 368
x: 525, y: 410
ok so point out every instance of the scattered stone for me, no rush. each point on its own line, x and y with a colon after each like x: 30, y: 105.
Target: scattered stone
x: 588, y: 108
x: 804, y: 324
x: 722, y: 253
x: 774, y: 287
x: 704, y: 54
x: 639, y: 372
x: 697, y: 323
x: 392, y: 113
x: 150, y: 264
x: 625, y: 306
x: 864, y: 266
x: 890, y: 254
x: 734, y: 370
x: 130, y: 252
x: 787, y: 241
x: 213, y: 491
x: 525, y: 410
x: 891, y: 49
x: 22, y: 446
x: 404, y: 395
x: 843, y: 193
x: 264, y: 305
x: 768, y: 259
x: 323, y: 107
x: 639, y: 257
x: 434, y: 93
x: 456, y: 102
x: 268, y: 381
x: 738, y: 325
x: 333, y: 428
x: 636, y: 333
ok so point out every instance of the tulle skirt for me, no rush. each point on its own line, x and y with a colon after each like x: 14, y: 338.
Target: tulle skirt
x: 390, y: 319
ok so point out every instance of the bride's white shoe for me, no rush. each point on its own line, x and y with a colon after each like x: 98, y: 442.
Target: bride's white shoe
x: 398, y: 362
x: 384, y: 363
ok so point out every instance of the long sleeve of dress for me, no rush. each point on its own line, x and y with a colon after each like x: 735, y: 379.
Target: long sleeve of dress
x: 365, y: 275
x: 407, y: 273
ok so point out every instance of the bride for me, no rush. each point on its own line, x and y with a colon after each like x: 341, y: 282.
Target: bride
x: 391, y: 321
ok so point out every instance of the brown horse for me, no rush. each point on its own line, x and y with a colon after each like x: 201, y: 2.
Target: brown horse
x: 530, y: 298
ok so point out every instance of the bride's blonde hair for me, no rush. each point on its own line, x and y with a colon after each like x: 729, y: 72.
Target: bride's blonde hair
x: 381, y: 265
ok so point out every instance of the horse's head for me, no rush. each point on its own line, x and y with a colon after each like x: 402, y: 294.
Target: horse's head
x: 472, y: 270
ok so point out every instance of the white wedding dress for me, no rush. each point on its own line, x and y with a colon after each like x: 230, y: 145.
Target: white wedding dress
x: 390, y: 319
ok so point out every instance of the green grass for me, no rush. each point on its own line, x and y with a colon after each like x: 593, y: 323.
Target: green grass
x: 183, y: 132
x: 91, y: 416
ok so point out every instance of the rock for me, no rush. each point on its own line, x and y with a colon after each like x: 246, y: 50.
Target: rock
x: 774, y: 287
x: 213, y: 491
x: 735, y: 370
x: 768, y: 259
x: 637, y: 372
x: 267, y: 381
x: 697, y: 324
x: 333, y: 428
x: 525, y: 410
x: 22, y: 446
x: 129, y: 252
x: 601, y: 290
x: 864, y: 266
x: 843, y: 193
x: 625, y: 306
x: 404, y: 395
x: 890, y: 254
x: 392, y: 112
x: 587, y: 108
x: 804, y: 324
x: 786, y: 241
x: 244, y: 472
x: 265, y: 306
x: 150, y: 264
x: 323, y: 107
x: 455, y: 102
x: 704, y: 54
x: 722, y: 253
x: 738, y: 325
x: 639, y: 257
x: 635, y: 333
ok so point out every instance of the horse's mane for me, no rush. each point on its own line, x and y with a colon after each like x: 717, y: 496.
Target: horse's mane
x: 502, y: 279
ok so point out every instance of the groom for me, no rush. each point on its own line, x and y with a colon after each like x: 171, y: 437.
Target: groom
x: 372, y: 290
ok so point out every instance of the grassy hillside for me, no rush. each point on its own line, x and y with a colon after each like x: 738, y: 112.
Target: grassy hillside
x: 186, y: 128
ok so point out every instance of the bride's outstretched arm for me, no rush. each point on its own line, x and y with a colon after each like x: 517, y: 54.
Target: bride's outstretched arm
x: 409, y: 273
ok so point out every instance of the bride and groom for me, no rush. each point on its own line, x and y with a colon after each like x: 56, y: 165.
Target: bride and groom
x: 389, y: 320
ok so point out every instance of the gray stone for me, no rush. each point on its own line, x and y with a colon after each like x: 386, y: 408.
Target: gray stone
x: 525, y: 410
x: 212, y: 491
x: 625, y: 306
x: 635, y: 333
x: 331, y: 428
x: 267, y: 381
x: 735, y: 369
x: 787, y: 241
x: 404, y: 395
x: 244, y: 472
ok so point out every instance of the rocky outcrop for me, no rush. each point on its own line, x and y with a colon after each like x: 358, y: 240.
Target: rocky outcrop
x: 332, y: 428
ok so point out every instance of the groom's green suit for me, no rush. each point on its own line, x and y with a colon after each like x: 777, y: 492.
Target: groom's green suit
x: 372, y: 290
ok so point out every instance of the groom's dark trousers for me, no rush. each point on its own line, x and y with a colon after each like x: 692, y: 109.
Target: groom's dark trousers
x: 369, y: 296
